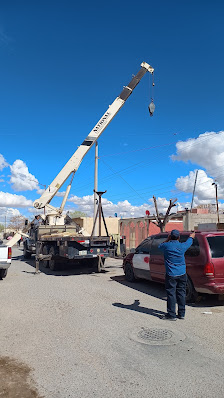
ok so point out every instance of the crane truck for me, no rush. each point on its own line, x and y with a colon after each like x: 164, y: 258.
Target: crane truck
x: 55, y: 240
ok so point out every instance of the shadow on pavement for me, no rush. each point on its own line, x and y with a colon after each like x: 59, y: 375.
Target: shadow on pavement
x: 143, y: 286
x: 136, y: 307
x: 158, y: 290
x: 208, y: 300
x: 63, y: 269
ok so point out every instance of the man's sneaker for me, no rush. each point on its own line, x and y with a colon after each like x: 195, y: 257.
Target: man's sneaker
x: 168, y: 318
x: 181, y: 317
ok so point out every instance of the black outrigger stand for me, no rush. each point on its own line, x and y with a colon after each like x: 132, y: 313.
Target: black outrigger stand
x: 100, y: 214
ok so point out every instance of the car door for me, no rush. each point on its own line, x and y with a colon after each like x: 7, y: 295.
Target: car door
x: 157, y: 266
x: 141, y: 258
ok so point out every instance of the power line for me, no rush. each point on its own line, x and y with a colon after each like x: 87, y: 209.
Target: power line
x: 127, y: 169
x: 125, y: 182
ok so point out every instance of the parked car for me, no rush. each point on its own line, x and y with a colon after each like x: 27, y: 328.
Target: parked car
x: 204, y: 262
x: 5, y: 259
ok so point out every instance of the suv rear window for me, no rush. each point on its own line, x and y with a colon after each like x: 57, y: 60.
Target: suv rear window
x: 216, y: 244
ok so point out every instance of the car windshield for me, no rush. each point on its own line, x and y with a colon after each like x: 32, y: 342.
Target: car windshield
x: 216, y: 244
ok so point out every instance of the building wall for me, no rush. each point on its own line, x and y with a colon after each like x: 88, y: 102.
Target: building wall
x: 191, y: 220
x: 137, y: 229
x: 112, y: 224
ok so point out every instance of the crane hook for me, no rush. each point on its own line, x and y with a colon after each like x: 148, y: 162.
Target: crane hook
x: 151, y: 107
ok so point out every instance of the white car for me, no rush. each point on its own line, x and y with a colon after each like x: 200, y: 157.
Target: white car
x: 5, y: 259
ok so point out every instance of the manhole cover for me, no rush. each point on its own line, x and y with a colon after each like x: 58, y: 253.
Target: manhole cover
x: 157, y: 336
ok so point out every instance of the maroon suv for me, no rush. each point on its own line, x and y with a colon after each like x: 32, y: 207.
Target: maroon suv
x: 204, y: 261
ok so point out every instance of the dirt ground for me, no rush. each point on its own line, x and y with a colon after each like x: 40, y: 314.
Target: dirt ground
x: 15, y: 380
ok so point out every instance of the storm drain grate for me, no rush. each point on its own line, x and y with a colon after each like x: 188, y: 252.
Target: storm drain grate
x: 155, y: 334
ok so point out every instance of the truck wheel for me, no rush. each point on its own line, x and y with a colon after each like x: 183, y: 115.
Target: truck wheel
x: 191, y: 293
x: 93, y: 263
x: 129, y: 273
x: 97, y: 265
x: 45, y: 252
x: 3, y: 273
x: 26, y: 254
x: 52, y: 263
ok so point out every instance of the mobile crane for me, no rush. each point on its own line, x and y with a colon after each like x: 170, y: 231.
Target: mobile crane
x: 56, y: 240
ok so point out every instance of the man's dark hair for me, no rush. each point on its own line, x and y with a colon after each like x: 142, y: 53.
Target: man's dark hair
x: 174, y: 237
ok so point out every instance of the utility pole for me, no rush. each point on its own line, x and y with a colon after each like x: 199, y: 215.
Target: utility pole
x: 95, y: 186
x: 195, y: 181
x: 216, y: 196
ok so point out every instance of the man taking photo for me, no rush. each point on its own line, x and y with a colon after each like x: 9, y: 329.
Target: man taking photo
x: 176, y: 277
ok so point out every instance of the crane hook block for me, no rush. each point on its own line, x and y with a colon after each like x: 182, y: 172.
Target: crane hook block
x: 151, y: 108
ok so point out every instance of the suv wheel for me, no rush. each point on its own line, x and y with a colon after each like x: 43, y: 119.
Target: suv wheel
x: 129, y: 273
x: 191, y: 293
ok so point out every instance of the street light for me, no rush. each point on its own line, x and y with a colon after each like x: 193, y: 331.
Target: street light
x: 217, y: 203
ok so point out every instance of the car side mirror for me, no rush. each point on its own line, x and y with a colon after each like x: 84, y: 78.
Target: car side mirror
x: 133, y: 251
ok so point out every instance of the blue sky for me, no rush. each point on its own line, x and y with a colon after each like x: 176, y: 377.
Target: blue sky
x: 63, y: 63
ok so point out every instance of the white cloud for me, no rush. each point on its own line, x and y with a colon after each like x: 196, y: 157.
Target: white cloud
x: 60, y: 194
x: 13, y: 200
x: 6, y: 213
x: 40, y: 191
x: 34, y: 211
x: 122, y: 208
x: 3, y: 162
x: 207, y: 151
x: 21, y: 179
x: 204, y: 189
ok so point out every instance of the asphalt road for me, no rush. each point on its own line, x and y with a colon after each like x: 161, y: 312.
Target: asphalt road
x: 80, y: 334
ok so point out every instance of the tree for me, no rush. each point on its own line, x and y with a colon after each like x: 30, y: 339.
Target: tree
x: 17, y: 222
x: 162, y: 223
x: 2, y: 227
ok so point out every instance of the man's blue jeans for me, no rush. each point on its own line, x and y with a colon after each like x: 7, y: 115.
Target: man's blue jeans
x: 176, y: 293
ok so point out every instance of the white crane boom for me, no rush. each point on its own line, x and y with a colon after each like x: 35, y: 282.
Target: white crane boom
x: 74, y: 162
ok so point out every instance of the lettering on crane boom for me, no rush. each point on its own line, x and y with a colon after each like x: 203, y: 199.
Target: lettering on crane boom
x: 89, y: 142
x: 102, y: 120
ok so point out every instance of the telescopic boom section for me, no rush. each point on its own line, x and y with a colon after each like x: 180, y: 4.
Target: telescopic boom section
x: 74, y: 162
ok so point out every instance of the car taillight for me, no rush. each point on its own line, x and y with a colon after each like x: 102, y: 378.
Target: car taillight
x: 9, y: 252
x: 91, y: 250
x: 209, y: 269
